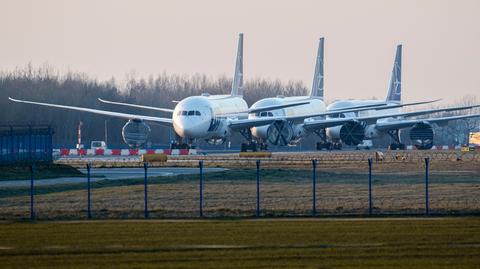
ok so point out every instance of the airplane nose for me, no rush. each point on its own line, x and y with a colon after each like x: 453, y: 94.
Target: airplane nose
x: 191, y: 127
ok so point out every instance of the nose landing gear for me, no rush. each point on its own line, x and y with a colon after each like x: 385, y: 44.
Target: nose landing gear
x: 251, y: 145
x: 396, y: 145
x: 324, y: 143
x: 180, y: 144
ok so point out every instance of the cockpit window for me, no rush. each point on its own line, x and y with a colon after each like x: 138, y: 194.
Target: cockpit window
x: 189, y: 113
x: 264, y: 114
x: 340, y: 115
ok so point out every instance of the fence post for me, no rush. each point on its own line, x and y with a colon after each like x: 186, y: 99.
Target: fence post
x: 200, y: 165
x: 89, y: 211
x: 257, y: 211
x: 32, y: 192
x: 427, y: 161
x: 370, y: 186
x: 145, y: 211
x: 314, y: 188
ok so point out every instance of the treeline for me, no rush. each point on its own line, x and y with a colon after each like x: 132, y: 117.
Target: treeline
x: 77, y: 89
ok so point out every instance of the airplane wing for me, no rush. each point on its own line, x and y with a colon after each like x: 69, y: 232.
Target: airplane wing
x: 137, y: 106
x: 383, y: 105
x: 389, y: 106
x: 274, y: 107
x: 326, y: 123
x: 161, y: 121
x: 408, y: 123
x: 249, y: 123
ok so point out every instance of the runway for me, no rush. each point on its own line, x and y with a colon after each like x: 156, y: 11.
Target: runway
x: 99, y: 174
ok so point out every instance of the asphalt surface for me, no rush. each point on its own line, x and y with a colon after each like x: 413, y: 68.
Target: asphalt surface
x: 99, y: 174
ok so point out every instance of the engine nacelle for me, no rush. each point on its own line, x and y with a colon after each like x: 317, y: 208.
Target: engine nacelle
x: 135, y: 133
x: 422, y: 135
x: 352, y: 133
x: 280, y: 133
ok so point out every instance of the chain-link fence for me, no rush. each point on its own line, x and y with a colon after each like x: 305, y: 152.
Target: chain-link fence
x: 370, y: 187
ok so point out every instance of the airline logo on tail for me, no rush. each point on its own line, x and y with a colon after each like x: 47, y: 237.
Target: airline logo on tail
x: 395, y: 89
x: 317, y: 87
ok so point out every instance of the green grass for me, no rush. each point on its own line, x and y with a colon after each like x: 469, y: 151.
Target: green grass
x: 288, y: 243
x: 248, y: 175
x: 44, y: 171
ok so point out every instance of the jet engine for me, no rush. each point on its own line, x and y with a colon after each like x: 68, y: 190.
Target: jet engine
x: 351, y: 133
x: 280, y: 133
x: 135, y: 133
x: 421, y: 135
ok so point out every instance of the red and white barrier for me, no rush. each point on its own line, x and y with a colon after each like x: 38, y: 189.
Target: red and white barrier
x: 124, y: 152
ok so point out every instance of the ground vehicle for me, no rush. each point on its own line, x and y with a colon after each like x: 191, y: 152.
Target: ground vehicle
x: 98, y: 145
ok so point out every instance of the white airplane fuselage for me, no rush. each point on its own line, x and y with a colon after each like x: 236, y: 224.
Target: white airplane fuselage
x: 315, y: 106
x: 206, y: 116
x: 370, y: 131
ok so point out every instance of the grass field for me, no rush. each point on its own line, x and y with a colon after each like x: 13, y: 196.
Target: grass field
x: 263, y: 243
x: 231, y: 193
x: 22, y: 171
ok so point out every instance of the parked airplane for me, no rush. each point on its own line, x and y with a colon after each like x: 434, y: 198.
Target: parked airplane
x: 299, y: 121
x: 352, y: 128
x: 209, y: 117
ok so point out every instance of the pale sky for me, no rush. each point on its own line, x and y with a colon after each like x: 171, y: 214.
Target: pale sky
x: 441, y: 53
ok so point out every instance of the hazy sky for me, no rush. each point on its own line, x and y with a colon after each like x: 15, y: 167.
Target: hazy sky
x: 113, y: 38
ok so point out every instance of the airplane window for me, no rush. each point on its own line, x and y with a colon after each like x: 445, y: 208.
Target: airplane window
x: 198, y: 113
x: 191, y: 113
x: 342, y: 115
x: 263, y: 114
x: 270, y: 114
x: 184, y: 113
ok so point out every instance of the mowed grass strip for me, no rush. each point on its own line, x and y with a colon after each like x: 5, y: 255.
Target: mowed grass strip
x: 264, y: 243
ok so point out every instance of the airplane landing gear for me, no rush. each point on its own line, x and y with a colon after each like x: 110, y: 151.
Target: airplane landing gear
x: 324, y: 143
x: 179, y: 144
x: 251, y: 144
x: 397, y: 145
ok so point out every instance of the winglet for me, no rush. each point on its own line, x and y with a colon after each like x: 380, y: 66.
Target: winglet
x: 394, y: 94
x: 317, y: 87
x: 237, y: 84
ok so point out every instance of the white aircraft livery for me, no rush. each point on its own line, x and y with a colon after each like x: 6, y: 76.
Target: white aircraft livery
x: 368, y: 124
x: 348, y: 121
x: 209, y: 117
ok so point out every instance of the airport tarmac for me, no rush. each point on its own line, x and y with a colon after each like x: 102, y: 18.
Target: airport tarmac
x: 99, y: 174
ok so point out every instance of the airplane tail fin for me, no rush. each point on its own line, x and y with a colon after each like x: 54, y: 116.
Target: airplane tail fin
x: 317, y: 87
x: 395, y: 89
x: 237, y: 84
